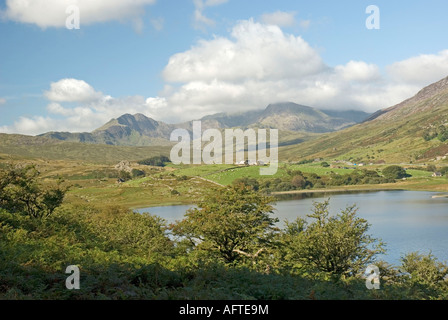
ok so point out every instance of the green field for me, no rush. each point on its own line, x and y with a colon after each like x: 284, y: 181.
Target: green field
x: 226, y: 174
x: 87, y: 168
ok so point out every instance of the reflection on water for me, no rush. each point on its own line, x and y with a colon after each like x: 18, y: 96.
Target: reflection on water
x: 405, y: 220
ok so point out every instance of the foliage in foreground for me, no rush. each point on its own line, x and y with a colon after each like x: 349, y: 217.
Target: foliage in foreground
x: 126, y: 255
x: 337, y: 245
x: 21, y: 191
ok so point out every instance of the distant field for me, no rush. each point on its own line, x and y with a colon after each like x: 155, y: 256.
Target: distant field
x: 87, y: 169
x: 199, y: 170
x: 226, y: 174
x: 419, y: 173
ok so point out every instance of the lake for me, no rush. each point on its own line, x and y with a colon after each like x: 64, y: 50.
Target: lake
x: 406, y: 221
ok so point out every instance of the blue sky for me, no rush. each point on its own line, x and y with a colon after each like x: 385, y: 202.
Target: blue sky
x: 179, y: 60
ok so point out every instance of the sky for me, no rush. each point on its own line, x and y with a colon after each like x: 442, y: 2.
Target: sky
x: 179, y: 60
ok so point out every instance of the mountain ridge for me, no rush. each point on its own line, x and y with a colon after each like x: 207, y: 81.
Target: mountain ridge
x: 139, y: 130
x: 401, y: 133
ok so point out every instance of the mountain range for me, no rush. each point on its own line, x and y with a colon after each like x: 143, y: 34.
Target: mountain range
x: 411, y: 131
x: 139, y: 130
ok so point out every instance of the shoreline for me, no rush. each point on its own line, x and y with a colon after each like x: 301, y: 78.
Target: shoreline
x: 292, y: 192
x: 334, y: 190
x: 440, y: 196
x: 359, y: 188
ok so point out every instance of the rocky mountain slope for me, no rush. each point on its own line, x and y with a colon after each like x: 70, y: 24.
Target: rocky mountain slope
x: 139, y: 130
x: 407, y: 132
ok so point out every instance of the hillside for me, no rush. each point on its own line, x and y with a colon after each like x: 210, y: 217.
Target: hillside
x: 127, y: 130
x: 287, y: 116
x: 25, y: 147
x: 407, y: 132
x: 139, y: 130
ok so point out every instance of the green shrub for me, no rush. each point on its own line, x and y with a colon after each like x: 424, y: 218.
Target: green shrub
x: 22, y: 192
x: 394, y: 172
x: 136, y: 173
x: 157, y: 161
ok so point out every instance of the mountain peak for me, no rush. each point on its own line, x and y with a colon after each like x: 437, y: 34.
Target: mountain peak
x: 423, y: 101
x: 433, y: 89
x: 138, y: 129
x: 287, y: 106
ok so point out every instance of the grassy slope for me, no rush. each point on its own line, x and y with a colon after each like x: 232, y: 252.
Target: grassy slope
x: 393, y: 143
x: 78, y: 164
x: 394, y: 139
x: 38, y: 147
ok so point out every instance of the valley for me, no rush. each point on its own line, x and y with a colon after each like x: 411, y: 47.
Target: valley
x: 317, y: 154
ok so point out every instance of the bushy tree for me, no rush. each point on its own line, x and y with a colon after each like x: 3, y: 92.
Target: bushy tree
x: 136, y: 173
x: 21, y: 192
x: 246, y: 181
x: 130, y: 232
x: 298, y: 182
x: 158, y: 161
x: 394, y: 172
x: 424, y: 269
x: 124, y: 175
x: 233, y: 223
x: 338, y: 245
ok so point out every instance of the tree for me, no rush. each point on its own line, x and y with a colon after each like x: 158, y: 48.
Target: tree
x: 136, y: 173
x: 298, y: 182
x: 444, y: 171
x: 124, y: 175
x: 20, y: 191
x: 394, y: 172
x: 246, y: 181
x: 233, y: 223
x: 337, y: 244
x: 158, y: 161
x: 130, y: 232
x: 425, y: 272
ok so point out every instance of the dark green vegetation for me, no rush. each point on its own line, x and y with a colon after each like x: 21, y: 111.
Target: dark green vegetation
x: 20, y: 192
x: 294, y: 179
x: 395, y: 172
x: 157, y: 161
x: 440, y: 133
x: 238, y: 255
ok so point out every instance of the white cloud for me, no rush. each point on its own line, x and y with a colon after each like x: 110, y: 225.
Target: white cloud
x: 421, y: 70
x: 279, y: 18
x: 305, y: 24
x: 255, y: 51
x: 200, y: 20
x: 255, y: 65
x: 212, y: 3
x: 52, y: 13
x: 72, y: 90
x: 87, y: 114
x: 158, y: 23
x: 258, y: 64
x: 358, y: 71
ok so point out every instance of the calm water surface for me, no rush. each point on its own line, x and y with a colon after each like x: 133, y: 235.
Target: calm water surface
x: 405, y: 220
